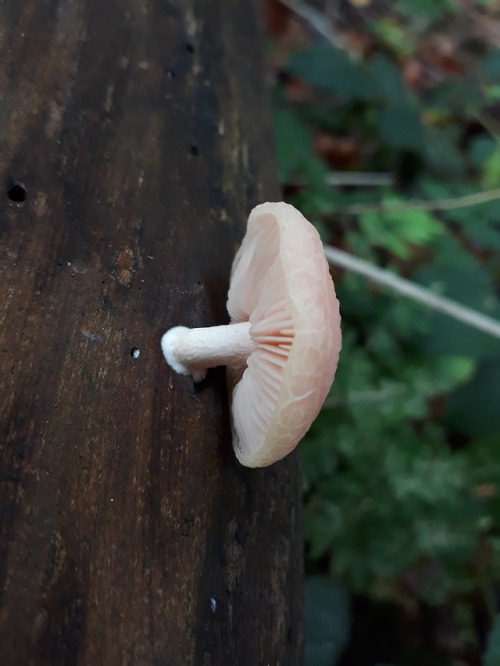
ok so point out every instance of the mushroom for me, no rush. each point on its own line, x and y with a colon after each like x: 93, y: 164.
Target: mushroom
x: 283, y: 342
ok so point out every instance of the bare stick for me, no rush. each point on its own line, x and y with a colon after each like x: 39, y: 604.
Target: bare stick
x: 359, y: 179
x: 410, y: 290
x: 407, y: 206
x: 316, y: 20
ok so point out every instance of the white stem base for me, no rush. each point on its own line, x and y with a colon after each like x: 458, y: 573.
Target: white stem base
x: 191, y: 351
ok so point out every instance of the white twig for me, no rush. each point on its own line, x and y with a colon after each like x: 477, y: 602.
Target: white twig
x: 317, y: 21
x: 410, y: 290
x: 359, y: 179
x: 353, y: 179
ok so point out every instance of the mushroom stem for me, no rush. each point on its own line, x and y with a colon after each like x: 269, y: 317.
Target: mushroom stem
x: 191, y: 351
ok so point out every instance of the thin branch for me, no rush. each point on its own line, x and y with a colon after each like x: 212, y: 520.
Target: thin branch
x: 406, y: 206
x: 353, y: 179
x: 317, y: 21
x: 360, y: 179
x: 370, y: 396
x: 410, y: 290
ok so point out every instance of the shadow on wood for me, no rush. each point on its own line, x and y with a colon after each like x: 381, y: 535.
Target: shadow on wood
x: 135, y: 139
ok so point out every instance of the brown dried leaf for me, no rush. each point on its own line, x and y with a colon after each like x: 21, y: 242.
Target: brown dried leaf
x: 342, y: 153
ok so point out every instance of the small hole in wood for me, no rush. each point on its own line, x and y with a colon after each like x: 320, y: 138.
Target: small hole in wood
x: 195, y: 150
x: 16, y: 192
x: 189, y: 48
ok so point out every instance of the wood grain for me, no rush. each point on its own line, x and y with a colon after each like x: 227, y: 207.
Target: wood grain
x: 135, y: 138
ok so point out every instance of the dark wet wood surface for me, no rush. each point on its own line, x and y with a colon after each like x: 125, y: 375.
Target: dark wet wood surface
x: 134, y: 140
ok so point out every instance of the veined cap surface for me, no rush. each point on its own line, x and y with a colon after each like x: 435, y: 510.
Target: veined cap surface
x: 281, y: 284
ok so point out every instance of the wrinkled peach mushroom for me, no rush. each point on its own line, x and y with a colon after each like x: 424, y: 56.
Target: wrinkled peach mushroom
x: 283, y: 343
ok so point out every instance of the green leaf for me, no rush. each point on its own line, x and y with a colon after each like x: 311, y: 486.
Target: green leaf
x: 395, y: 36
x: 475, y: 408
x: 442, y: 152
x: 450, y: 372
x: 470, y: 285
x: 331, y: 70
x: 492, y: 93
x: 490, y: 67
x: 481, y: 149
x: 327, y: 621
x: 492, y: 655
x: 491, y: 169
x: 400, y: 126
x: 388, y: 78
x: 478, y: 223
x: 293, y: 142
x: 429, y: 9
x: 396, y: 231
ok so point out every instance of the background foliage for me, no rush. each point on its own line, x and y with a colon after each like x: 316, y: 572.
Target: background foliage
x: 402, y: 466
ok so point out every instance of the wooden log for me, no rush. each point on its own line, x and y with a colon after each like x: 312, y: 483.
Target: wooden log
x: 135, y: 138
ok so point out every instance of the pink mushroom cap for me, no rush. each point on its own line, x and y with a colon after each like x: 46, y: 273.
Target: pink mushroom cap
x: 282, y: 286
